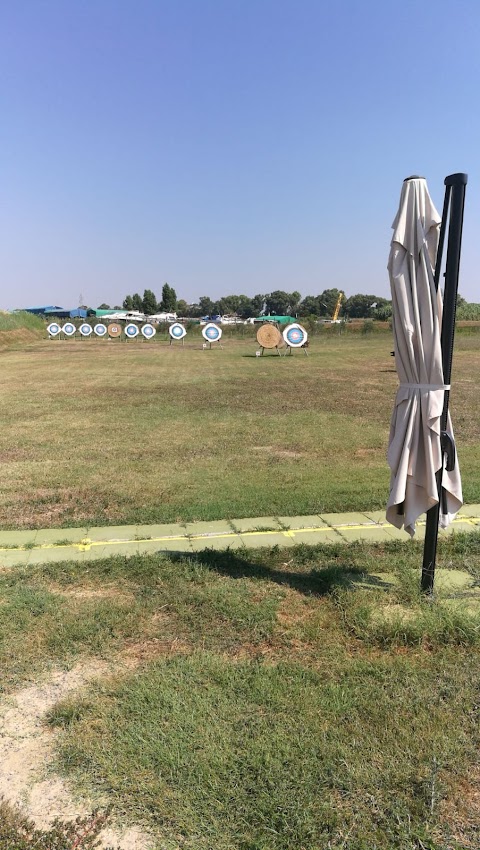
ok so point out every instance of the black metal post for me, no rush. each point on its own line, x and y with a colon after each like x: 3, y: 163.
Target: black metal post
x: 454, y: 204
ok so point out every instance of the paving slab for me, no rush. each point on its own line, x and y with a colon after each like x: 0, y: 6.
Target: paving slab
x: 373, y: 581
x: 313, y: 538
x: 368, y: 533
x: 96, y: 553
x: 267, y: 539
x: 14, y: 558
x: 256, y: 523
x: 376, y: 516
x: 147, y: 532
x: 55, y: 555
x: 355, y: 518
x: 453, y: 580
x: 455, y: 527
x: 232, y: 541
x: 17, y: 538
x: 470, y: 510
x: 60, y: 535
x: 209, y: 528
x: 298, y: 522
x: 179, y: 544
x: 112, y: 532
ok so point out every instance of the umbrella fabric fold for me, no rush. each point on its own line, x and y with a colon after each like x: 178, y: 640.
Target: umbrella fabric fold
x: 414, y: 452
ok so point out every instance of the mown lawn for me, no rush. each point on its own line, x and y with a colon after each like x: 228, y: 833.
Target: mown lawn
x: 274, y: 700
x: 99, y: 433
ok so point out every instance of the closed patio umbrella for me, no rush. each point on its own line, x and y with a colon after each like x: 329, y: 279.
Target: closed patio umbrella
x: 418, y: 434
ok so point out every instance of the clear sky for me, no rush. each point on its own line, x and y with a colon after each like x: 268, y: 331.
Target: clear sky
x: 226, y: 146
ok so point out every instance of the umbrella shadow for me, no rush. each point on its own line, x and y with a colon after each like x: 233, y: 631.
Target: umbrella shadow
x: 316, y: 582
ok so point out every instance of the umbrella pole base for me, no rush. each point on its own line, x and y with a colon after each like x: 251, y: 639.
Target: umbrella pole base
x: 430, y: 548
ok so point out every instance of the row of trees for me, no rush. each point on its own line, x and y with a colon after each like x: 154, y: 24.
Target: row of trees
x: 277, y: 303
x: 149, y: 304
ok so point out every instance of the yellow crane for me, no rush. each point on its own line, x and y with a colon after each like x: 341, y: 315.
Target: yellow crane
x: 337, y: 306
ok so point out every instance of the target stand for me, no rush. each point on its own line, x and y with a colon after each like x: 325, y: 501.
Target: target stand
x: 270, y: 338
x: 295, y: 336
x: 212, y: 333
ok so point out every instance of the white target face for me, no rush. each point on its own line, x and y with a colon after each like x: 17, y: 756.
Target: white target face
x: 53, y: 329
x: 131, y: 331
x: 100, y: 329
x: 211, y: 332
x: 177, y: 331
x: 148, y: 331
x: 295, y: 336
x: 85, y: 329
x: 69, y: 329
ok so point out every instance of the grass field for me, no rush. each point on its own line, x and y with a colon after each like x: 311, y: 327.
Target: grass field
x: 262, y: 701
x: 305, y: 699
x: 99, y: 433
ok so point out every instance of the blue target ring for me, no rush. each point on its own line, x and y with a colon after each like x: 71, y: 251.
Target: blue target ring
x: 69, y: 329
x: 295, y: 336
x: 85, y: 330
x: 177, y: 331
x: 100, y: 329
x: 131, y: 331
x: 53, y: 329
x: 148, y: 331
x: 212, y: 333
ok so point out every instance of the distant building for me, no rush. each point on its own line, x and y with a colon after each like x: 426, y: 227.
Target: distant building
x: 40, y: 311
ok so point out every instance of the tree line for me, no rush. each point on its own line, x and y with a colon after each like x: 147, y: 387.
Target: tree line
x: 277, y: 303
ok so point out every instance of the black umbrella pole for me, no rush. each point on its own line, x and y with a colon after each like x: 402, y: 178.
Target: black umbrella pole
x: 455, y: 199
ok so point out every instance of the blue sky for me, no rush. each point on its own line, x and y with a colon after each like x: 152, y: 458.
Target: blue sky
x: 226, y: 146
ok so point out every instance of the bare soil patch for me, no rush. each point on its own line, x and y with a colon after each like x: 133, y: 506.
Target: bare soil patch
x: 26, y: 751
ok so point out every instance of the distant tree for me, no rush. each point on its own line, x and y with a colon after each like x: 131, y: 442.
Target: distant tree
x: 206, y: 306
x: 182, y: 307
x: 128, y: 303
x: 149, y: 302
x: 360, y: 306
x: 169, y: 299
x: 194, y: 311
x: 310, y: 306
x: 117, y: 307
x: 137, y: 303
x: 467, y: 311
x: 327, y: 301
x: 245, y: 307
x: 258, y: 305
x: 383, y: 311
x: 104, y: 307
x: 281, y: 303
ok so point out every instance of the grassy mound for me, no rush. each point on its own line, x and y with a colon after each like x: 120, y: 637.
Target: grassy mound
x: 18, y: 329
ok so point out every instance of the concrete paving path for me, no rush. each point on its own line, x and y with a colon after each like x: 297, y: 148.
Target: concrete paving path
x: 21, y: 548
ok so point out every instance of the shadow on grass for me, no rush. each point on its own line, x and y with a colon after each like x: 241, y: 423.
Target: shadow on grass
x: 316, y: 582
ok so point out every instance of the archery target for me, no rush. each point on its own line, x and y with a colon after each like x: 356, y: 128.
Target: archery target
x: 131, y: 331
x: 212, y: 333
x: 148, y: 331
x: 100, y: 329
x: 85, y: 329
x: 69, y: 329
x: 114, y: 330
x: 295, y: 336
x: 53, y: 329
x: 177, y: 331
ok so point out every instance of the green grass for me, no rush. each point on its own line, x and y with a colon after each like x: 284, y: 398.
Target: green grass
x: 279, y: 699
x: 101, y: 434
x: 19, y: 320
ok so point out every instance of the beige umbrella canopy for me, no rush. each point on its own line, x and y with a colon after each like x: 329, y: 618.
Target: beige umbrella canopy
x: 415, y: 453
